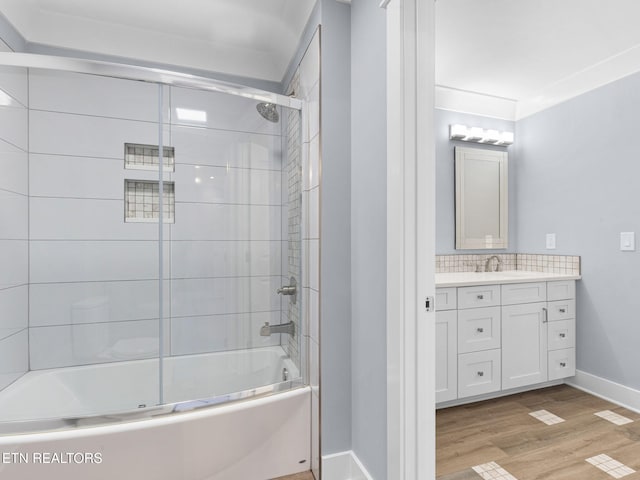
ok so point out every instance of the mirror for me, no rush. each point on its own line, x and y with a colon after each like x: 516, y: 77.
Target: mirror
x: 481, y: 198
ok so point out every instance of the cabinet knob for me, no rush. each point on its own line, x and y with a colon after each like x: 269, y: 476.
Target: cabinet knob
x: 480, y: 297
x: 562, y: 335
x: 563, y: 364
x: 481, y: 374
x: 480, y: 329
x: 563, y: 310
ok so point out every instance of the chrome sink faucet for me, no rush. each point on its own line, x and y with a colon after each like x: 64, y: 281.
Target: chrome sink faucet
x: 487, y: 265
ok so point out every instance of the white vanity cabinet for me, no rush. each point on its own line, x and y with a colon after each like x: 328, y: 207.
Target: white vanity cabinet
x: 446, y: 345
x: 491, y: 338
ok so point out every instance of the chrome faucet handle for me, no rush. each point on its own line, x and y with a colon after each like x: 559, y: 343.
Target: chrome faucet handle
x: 291, y: 289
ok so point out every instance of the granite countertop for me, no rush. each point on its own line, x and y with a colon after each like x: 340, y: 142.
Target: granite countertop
x: 461, y: 279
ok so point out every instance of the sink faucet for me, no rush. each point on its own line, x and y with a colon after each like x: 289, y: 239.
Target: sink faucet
x: 487, y: 265
x: 267, y: 329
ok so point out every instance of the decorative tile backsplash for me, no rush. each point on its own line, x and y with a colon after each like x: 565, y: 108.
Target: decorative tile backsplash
x: 146, y: 157
x: 142, y: 201
x: 569, y: 264
x: 468, y: 263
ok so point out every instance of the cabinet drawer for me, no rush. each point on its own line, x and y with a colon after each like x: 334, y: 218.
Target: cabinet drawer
x: 478, y: 373
x: 480, y: 296
x: 446, y: 298
x: 561, y: 290
x: 478, y: 329
x: 562, y: 363
x: 562, y: 334
x: 562, y: 310
x: 524, y: 293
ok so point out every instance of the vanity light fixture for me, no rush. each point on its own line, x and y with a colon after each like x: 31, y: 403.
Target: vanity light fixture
x: 479, y: 135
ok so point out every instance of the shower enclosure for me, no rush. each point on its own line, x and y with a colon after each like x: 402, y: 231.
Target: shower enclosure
x: 150, y: 243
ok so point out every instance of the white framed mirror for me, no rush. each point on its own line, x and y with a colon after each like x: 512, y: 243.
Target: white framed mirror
x: 482, y: 199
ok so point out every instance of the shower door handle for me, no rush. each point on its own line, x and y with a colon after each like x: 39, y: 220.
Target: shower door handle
x: 290, y: 289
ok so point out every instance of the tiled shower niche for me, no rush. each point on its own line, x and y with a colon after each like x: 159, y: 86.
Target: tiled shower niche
x: 142, y: 201
x: 146, y: 157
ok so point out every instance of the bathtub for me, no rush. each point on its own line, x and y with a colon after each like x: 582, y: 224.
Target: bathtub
x: 261, y: 435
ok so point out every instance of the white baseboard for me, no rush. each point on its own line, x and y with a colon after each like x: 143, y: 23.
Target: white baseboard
x: 600, y: 387
x: 343, y: 466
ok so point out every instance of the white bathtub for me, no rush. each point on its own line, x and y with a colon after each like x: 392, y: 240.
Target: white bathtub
x: 259, y: 438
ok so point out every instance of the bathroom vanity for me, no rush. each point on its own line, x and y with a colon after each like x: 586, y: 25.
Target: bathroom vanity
x: 502, y: 331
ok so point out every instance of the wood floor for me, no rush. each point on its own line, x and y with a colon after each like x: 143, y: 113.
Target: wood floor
x: 502, y: 431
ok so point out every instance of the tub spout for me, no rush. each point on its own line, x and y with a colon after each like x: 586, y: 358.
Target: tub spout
x: 267, y: 329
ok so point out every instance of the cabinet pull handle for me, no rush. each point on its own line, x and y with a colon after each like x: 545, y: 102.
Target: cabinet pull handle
x: 480, y: 297
x: 545, y: 315
x: 480, y: 374
x: 563, y: 310
x: 563, y: 364
x: 480, y: 329
x: 562, y: 335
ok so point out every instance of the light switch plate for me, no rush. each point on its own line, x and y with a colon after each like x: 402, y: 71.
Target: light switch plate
x: 627, y: 241
x: 551, y: 241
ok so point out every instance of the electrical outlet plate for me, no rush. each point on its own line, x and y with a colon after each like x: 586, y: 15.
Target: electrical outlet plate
x: 627, y: 241
x: 551, y: 241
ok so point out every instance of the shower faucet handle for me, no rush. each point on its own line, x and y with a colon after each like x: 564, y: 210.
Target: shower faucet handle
x: 291, y: 289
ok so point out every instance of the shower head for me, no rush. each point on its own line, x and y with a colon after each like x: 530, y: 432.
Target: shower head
x: 268, y: 111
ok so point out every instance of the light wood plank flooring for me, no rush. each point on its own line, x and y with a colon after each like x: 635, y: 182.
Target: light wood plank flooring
x: 502, y: 431
x: 297, y: 476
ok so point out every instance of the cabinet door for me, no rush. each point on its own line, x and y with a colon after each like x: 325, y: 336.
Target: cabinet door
x: 446, y: 356
x: 524, y: 345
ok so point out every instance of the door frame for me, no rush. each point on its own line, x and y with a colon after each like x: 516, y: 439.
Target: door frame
x: 410, y: 239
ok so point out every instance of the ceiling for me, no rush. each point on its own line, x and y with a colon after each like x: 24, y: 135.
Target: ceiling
x: 534, y: 53
x: 503, y: 58
x: 251, y: 38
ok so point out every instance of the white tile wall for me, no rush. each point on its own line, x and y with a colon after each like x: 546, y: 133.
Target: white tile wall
x: 13, y: 125
x: 210, y: 296
x: 94, y: 95
x: 204, y: 184
x: 85, y: 219
x: 13, y: 81
x: 13, y: 165
x: 221, y: 148
x: 225, y: 112
x: 14, y: 258
x: 97, y: 178
x: 14, y: 213
x: 202, y: 334
x: 14, y: 310
x: 93, y: 261
x: 14, y: 221
x: 92, y: 343
x: 225, y: 259
x: 204, y: 221
x: 86, y: 136
x: 90, y: 302
x: 14, y: 357
x: 200, y: 259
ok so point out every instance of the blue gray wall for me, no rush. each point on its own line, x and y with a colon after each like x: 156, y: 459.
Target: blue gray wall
x: 369, y: 235
x: 335, y: 227
x: 579, y: 177
x: 445, y: 178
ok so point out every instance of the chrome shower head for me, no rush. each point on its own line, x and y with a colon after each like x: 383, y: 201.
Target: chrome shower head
x: 268, y: 111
